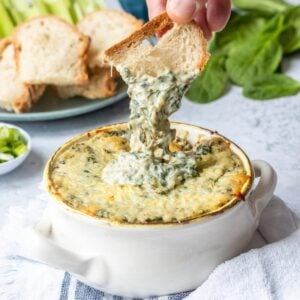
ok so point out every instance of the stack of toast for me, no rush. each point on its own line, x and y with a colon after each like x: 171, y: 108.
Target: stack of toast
x: 49, y: 52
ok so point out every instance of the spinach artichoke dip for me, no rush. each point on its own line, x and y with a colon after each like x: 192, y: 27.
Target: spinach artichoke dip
x: 76, y: 177
x: 146, y: 172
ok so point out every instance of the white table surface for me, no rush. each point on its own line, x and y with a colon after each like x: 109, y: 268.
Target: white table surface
x: 268, y: 130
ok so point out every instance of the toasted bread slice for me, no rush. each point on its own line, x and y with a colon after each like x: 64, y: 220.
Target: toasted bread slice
x: 105, y: 28
x: 14, y: 95
x: 182, y: 48
x: 51, y: 51
x: 102, y: 84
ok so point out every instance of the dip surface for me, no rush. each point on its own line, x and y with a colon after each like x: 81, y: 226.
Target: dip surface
x: 75, y: 176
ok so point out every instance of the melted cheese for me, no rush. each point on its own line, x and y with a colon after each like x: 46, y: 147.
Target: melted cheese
x: 150, y: 164
x: 76, y: 176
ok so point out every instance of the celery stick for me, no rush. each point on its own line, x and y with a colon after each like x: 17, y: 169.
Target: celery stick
x: 99, y: 4
x: 60, y: 9
x: 76, y: 11
x: 41, y: 6
x: 16, y: 16
x: 88, y: 6
x: 82, y: 4
x: 26, y: 8
x: 6, y: 23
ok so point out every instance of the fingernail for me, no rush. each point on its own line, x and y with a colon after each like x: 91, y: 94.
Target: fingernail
x: 183, y: 10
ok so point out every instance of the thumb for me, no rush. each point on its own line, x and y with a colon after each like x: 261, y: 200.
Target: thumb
x: 183, y: 11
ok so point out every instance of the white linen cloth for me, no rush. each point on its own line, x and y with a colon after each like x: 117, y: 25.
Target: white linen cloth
x: 269, y: 272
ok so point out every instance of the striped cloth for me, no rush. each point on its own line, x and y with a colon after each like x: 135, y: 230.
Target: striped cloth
x: 72, y: 289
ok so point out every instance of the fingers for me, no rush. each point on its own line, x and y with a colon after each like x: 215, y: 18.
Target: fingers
x: 218, y: 13
x: 201, y: 20
x: 156, y: 7
x: 211, y: 15
x: 184, y: 11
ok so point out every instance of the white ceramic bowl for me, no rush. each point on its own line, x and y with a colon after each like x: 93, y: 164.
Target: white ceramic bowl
x: 13, y: 164
x: 147, y: 260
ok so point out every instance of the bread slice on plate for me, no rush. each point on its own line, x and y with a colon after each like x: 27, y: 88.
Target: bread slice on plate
x: 182, y: 49
x: 51, y: 51
x: 14, y: 94
x: 102, y: 84
x: 106, y: 27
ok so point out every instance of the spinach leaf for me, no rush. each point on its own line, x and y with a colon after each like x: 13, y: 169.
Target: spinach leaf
x: 266, y: 6
x: 211, y: 83
x: 271, y: 86
x: 290, y: 38
x: 257, y: 56
x: 239, y: 28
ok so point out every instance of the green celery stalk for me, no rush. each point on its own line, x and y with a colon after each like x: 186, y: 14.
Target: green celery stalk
x: 76, y: 11
x: 41, y: 7
x: 88, y: 6
x: 99, y: 4
x: 83, y: 5
x: 27, y: 9
x: 60, y: 9
x: 6, y: 25
x: 15, y: 15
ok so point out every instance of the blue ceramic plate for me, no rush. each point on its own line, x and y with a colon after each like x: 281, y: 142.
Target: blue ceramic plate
x: 50, y: 107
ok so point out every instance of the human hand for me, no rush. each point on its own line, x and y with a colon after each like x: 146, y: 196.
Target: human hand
x: 211, y: 15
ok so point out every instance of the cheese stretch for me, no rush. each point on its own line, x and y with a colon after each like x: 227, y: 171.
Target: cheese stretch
x: 149, y: 163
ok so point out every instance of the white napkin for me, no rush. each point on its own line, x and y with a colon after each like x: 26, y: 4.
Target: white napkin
x: 271, y: 272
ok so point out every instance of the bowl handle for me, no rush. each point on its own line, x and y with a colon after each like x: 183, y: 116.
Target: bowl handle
x: 263, y: 192
x: 39, y: 246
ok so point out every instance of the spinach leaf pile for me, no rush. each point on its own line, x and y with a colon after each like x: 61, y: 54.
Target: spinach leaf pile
x: 249, y: 52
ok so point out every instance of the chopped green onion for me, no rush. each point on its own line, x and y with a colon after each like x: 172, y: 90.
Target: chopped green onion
x: 12, y: 143
x: 19, y: 150
x: 6, y: 157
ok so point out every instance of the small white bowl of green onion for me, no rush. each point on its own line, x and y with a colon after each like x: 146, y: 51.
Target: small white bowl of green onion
x: 15, y: 145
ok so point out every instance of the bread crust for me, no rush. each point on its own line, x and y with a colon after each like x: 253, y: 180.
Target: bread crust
x: 130, y: 18
x: 160, y: 23
x: 83, y: 52
x: 107, y: 86
x: 30, y: 94
x: 3, y: 44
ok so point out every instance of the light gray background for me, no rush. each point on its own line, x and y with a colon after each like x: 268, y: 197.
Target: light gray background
x: 268, y: 130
